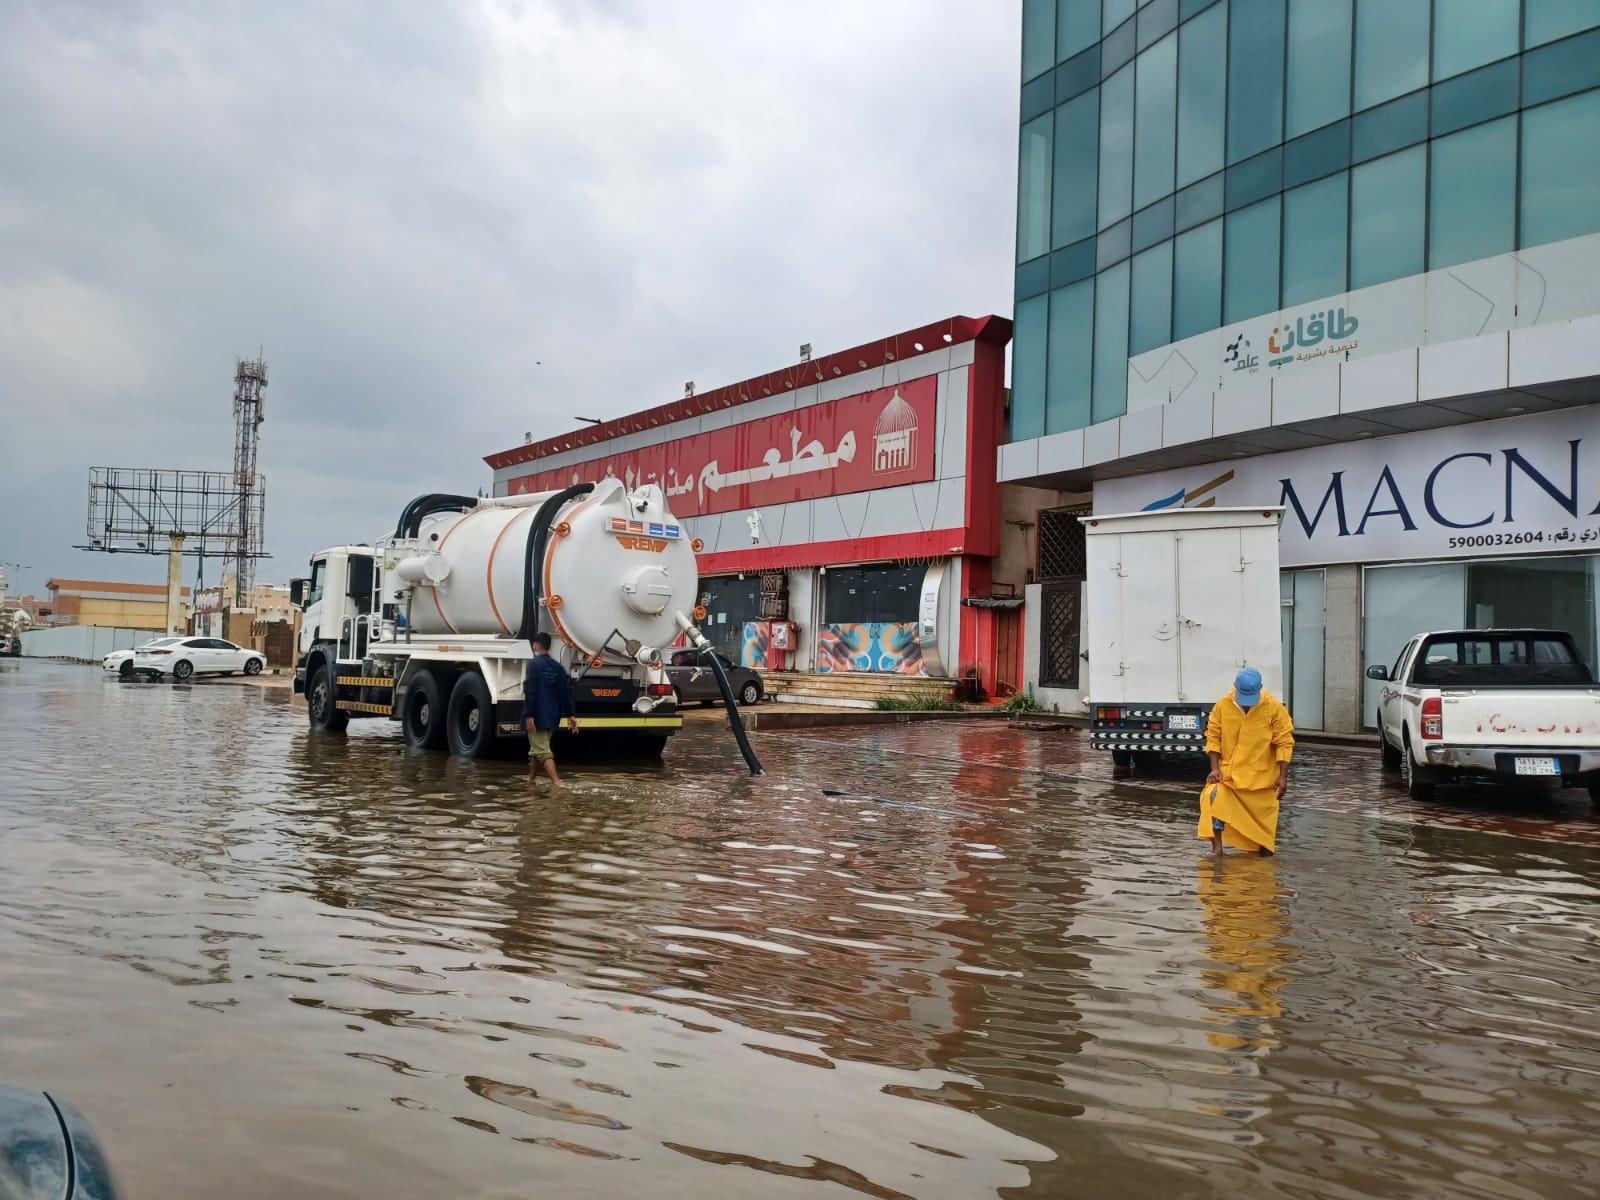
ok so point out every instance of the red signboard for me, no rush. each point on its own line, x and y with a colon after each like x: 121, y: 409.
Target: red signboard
x: 878, y: 439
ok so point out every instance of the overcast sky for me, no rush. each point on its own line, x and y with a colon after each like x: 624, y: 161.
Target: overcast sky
x: 413, y: 205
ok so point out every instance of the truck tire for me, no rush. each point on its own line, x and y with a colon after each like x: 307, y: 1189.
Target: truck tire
x: 1419, y: 781
x: 1389, y: 756
x: 470, y: 723
x: 321, y: 711
x: 422, y: 720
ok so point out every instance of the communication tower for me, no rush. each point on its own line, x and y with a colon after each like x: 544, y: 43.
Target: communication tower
x: 244, y: 541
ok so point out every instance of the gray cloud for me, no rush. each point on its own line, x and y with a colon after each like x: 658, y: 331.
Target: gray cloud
x: 412, y: 205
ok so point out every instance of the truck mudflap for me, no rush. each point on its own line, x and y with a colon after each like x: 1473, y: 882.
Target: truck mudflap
x: 1149, y: 728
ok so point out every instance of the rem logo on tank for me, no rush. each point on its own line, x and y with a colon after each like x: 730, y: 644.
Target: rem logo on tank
x: 648, y: 545
x: 607, y: 692
x: 894, y: 437
x: 1313, y: 337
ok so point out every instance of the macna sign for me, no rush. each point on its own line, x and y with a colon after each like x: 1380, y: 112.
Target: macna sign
x: 1523, y: 485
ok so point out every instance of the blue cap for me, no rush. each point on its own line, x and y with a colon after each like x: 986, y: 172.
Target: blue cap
x: 1247, y: 687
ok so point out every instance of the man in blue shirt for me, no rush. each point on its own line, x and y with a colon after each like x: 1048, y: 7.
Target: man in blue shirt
x: 546, y: 699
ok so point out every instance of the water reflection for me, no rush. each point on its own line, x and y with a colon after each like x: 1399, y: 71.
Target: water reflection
x: 1247, y: 931
x: 898, y: 965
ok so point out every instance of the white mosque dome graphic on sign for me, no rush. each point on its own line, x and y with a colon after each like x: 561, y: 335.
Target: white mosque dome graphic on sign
x: 894, y: 437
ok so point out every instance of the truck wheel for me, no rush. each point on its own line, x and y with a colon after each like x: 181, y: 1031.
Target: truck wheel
x: 321, y: 711
x: 422, y: 720
x: 1389, y: 755
x: 1418, y: 780
x: 1122, y: 758
x: 470, y: 723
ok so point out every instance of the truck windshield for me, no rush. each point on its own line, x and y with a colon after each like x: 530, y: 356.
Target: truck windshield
x: 1490, y: 658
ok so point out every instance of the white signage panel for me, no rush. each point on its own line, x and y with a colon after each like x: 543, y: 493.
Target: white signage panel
x: 1535, y: 286
x: 1515, y: 486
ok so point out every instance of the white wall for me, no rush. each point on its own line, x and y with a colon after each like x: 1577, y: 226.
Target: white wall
x: 86, y: 642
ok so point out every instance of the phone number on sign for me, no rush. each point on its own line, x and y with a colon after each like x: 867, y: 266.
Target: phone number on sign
x: 1559, y: 537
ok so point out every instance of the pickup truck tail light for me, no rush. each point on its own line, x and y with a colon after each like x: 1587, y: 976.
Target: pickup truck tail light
x: 1432, y: 719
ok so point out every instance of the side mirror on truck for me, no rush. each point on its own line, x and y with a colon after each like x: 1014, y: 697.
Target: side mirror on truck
x: 297, y: 593
x: 1378, y: 673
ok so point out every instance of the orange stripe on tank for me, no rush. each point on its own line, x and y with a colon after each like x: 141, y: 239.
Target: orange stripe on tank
x: 488, y: 575
x: 560, y: 628
x: 442, y: 542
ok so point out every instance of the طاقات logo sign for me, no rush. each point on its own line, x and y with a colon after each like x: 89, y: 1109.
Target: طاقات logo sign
x: 1331, y: 328
x: 1186, y: 498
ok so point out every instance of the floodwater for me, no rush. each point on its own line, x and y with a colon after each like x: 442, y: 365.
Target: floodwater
x: 268, y: 964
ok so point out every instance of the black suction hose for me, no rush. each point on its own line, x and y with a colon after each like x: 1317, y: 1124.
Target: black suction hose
x: 750, y: 758
x: 411, y: 517
x: 536, y: 548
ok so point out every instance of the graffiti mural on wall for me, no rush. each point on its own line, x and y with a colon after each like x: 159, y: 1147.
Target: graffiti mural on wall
x: 753, y: 647
x: 887, y: 647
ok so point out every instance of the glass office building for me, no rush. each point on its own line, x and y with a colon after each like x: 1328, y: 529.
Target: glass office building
x: 1236, y: 218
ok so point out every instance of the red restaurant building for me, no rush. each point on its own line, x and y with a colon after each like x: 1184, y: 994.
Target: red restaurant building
x: 846, y: 505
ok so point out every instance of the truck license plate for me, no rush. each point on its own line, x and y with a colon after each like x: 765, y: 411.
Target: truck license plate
x: 1537, y: 766
x: 1183, y: 721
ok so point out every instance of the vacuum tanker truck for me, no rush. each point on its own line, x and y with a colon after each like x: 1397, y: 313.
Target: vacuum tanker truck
x: 429, y: 627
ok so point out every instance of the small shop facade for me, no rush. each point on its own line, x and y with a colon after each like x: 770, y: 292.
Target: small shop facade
x: 1492, y: 523
x: 845, y: 507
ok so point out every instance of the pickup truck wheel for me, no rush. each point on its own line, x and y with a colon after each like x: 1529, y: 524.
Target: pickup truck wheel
x: 1418, y: 780
x: 470, y: 723
x: 1390, y: 756
x: 422, y: 720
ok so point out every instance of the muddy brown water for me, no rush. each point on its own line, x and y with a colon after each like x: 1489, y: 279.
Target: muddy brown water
x: 269, y: 964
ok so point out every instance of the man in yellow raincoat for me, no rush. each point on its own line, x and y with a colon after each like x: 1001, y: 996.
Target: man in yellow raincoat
x: 1250, y: 739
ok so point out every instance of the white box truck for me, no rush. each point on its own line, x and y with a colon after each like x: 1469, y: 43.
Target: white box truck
x: 1176, y: 601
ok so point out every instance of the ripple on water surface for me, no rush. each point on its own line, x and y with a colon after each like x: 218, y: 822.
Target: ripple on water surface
x: 263, y: 961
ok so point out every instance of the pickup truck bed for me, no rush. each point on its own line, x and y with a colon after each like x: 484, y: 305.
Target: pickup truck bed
x: 1508, y: 704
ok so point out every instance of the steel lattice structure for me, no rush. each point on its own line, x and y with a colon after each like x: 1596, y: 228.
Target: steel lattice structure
x: 244, y: 546
x: 138, y: 510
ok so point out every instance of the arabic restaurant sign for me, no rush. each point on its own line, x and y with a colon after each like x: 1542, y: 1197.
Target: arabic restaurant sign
x: 878, y: 439
x: 1524, y: 485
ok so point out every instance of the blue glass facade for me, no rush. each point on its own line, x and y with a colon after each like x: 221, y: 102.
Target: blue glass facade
x: 1189, y: 162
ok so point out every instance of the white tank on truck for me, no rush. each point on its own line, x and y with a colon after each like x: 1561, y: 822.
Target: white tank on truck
x: 430, y: 626
x: 1176, y: 602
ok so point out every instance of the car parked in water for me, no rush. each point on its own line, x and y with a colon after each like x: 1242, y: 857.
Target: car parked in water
x: 184, y: 658
x: 120, y: 662
x: 693, y: 679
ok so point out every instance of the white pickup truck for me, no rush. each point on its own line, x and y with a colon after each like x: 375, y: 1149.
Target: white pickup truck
x: 1495, y: 703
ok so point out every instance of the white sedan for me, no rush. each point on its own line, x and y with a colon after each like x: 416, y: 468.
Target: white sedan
x: 120, y: 662
x: 184, y: 658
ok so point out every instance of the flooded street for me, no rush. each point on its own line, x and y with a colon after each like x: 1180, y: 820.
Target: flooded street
x: 266, y: 964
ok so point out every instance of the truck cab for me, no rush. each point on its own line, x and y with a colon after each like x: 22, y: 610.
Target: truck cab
x: 336, y: 600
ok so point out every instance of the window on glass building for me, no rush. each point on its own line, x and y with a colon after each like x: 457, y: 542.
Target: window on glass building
x: 1472, y: 194
x: 1387, y: 216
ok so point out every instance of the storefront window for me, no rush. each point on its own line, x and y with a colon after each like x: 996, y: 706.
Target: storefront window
x: 1539, y: 593
x: 730, y: 601
x: 872, y: 595
x: 1304, y: 638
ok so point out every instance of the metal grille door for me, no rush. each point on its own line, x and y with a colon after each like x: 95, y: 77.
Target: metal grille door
x: 1058, y: 633
x: 1062, y: 552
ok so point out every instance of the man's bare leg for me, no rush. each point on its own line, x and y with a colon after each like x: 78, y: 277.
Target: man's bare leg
x: 1216, y: 843
x: 550, y: 770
